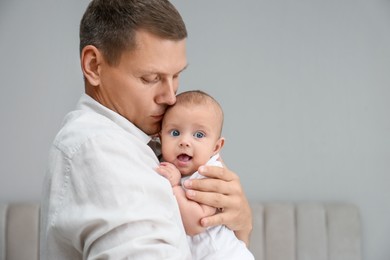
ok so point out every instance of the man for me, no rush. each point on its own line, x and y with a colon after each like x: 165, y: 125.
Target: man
x: 102, y: 197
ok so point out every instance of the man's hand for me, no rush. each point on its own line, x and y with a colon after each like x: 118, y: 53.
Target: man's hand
x: 222, y: 189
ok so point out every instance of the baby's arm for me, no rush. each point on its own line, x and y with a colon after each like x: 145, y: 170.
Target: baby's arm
x: 191, y: 211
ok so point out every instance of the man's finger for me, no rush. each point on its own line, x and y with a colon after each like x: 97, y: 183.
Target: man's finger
x: 212, y: 199
x: 216, y: 172
x: 211, y: 221
x: 207, y: 185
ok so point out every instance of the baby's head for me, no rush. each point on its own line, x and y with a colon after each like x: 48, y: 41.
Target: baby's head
x: 191, y: 131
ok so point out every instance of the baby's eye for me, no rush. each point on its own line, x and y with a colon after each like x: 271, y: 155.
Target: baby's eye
x: 175, y: 133
x: 199, y: 134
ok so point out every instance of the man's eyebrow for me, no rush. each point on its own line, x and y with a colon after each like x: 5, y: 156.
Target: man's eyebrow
x: 185, y: 67
x: 153, y: 71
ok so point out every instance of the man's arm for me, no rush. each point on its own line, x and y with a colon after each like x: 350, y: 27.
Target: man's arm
x: 222, y: 189
x: 119, y: 207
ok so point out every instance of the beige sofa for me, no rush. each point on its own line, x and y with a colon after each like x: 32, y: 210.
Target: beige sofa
x: 282, y: 231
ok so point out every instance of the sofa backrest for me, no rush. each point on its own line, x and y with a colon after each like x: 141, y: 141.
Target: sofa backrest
x: 306, y: 231
x: 19, y: 229
x: 281, y: 231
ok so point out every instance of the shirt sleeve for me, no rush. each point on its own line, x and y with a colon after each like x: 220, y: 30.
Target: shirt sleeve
x: 115, y: 205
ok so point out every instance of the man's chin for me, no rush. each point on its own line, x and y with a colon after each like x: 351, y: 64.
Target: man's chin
x: 152, y: 130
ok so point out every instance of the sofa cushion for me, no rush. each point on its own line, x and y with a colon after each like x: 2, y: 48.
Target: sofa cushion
x: 20, y: 231
x: 281, y: 231
x: 306, y: 231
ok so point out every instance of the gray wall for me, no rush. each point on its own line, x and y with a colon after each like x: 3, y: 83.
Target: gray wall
x: 305, y: 86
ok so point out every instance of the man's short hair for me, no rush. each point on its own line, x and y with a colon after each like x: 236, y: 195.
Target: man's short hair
x: 111, y: 25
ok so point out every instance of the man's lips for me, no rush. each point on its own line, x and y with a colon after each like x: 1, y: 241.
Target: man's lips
x: 158, y: 117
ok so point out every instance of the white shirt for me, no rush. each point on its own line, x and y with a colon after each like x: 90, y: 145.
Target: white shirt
x: 102, y: 198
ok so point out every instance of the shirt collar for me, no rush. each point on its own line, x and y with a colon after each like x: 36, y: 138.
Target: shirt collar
x: 87, y: 103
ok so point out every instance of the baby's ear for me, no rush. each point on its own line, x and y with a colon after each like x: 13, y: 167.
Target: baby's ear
x: 218, y: 145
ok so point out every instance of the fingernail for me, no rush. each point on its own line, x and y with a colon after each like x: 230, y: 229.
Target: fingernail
x: 191, y: 193
x: 204, y: 222
x: 202, y: 169
x: 188, y: 183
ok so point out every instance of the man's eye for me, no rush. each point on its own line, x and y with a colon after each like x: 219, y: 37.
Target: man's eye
x: 150, y: 79
x: 175, y: 133
x: 199, y: 135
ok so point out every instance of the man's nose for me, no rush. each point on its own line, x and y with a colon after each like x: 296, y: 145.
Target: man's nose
x: 168, y: 93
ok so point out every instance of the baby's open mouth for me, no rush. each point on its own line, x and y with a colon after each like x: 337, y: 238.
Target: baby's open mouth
x: 184, y: 157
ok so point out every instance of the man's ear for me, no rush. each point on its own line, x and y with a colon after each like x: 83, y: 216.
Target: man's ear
x: 91, y: 59
x: 219, y: 145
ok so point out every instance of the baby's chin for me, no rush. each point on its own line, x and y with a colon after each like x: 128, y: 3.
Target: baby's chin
x: 186, y: 171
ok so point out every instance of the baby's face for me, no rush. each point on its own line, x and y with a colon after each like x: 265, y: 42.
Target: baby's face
x: 190, y: 136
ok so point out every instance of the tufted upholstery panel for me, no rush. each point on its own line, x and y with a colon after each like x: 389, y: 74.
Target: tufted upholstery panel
x: 306, y: 231
x: 281, y: 231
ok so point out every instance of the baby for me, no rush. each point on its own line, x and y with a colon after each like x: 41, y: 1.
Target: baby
x: 191, y: 137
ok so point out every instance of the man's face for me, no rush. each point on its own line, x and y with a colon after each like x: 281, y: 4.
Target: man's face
x: 144, y: 82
